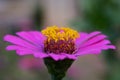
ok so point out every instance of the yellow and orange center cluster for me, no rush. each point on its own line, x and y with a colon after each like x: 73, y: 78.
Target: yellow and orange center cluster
x: 59, y: 39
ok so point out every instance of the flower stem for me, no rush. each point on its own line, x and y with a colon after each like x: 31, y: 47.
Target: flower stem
x: 57, y: 69
x: 53, y: 77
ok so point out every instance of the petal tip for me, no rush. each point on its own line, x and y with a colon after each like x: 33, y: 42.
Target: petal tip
x: 5, y: 38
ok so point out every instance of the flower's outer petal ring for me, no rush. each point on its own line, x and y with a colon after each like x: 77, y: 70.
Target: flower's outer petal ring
x: 62, y: 56
x: 26, y: 42
x: 93, y: 43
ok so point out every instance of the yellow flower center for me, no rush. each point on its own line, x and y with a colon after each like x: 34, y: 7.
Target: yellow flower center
x: 59, y: 39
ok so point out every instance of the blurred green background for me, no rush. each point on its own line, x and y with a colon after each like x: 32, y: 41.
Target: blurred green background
x: 82, y: 15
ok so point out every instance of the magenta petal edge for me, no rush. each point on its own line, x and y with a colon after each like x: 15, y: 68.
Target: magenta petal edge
x: 42, y: 44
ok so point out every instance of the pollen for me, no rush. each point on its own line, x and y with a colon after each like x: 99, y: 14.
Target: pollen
x: 60, y: 33
x: 59, y: 39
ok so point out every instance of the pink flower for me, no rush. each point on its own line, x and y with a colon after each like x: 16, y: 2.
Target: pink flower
x: 29, y: 63
x: 58, y: 43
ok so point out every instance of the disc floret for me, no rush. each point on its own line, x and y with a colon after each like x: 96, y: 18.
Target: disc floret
x: 60, y: 40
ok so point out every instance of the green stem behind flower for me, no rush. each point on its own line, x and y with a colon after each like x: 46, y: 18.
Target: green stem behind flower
x: 57, y: 69
x: 54, y: 77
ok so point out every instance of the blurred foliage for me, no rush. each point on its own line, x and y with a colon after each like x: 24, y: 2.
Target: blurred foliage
x: 104, y: 16
x: 38, y: 16
x: 9, y: 69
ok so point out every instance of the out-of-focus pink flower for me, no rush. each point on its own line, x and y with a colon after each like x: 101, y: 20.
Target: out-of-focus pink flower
x: 74, y: 72
x: 58, y: 43
x: 29, y: 63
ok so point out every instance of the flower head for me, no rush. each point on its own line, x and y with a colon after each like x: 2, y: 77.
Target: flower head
x: 58, y: 43
x: 60, y: 40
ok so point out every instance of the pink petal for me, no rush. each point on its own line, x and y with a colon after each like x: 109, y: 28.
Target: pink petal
x: 54, y: 56
x: 27, y: 36
x: 94, y: 39
x: 18, y: 41
x: 11, y: 47
x: 16, y: 47
x: 23, y: 52
x: 62, y: 56
x: 99, y: 44
x: 84, y: 37
x: 91, y: 51
x: 93, y: 34
x: 81, y: 38
x: 94, y: 43
x: 71, y: 56
x: 109, y: 47
x: 25, y: 43
x: 40, y: 55
x: 34, y: 37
